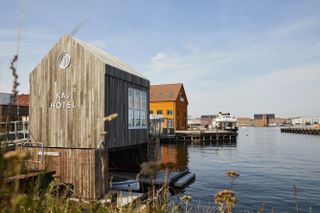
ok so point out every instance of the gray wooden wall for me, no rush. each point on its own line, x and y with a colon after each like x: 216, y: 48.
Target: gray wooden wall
x: 96, y: 89
x: 83, y: 81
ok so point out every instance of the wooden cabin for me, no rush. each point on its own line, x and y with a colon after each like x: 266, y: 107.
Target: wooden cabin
x: 73, y: 88
x: 170, y: 101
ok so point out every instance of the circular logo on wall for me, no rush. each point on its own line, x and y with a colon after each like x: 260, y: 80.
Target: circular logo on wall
x: 64, y: 60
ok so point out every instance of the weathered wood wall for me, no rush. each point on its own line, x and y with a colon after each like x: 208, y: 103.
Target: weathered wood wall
x: 117, y: 83
x: 85, y: 169
x: 83, y: 82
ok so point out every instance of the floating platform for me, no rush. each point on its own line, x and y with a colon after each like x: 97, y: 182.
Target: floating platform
x: 162, y: 177
x: 309, y: 131
x: 179, y: 179
x: 200, y: 136
x: 185, y: 180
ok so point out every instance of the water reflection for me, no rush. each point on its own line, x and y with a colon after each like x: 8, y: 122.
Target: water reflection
x: 270, y: 164
x: 177, y: 153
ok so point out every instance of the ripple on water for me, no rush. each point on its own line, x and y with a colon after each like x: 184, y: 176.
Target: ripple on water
x: 270, y: 164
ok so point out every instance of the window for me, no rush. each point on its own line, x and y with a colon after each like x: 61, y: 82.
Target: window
x: 169, y: 112
x: 181, y: 98
x: 169, y: 123
x: 137, y: 109
x: 159, y: 112
x: 151, y: 112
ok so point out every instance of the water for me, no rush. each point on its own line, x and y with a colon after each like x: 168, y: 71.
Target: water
x: 270, y: 165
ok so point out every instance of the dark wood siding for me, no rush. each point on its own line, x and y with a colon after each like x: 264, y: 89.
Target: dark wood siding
x: 182, y: 111
x: 117, y: 83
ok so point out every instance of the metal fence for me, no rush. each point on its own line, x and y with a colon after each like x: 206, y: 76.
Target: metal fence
x: 14, y: 130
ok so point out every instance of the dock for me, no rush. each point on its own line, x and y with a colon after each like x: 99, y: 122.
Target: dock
x: 309, y: 131
x: 179, y: 179
x: 200, y: 136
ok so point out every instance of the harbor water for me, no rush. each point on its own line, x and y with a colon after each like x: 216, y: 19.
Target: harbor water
x: 278, y: 171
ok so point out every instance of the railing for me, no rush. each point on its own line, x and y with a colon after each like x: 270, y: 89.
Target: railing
x: 14, y: 131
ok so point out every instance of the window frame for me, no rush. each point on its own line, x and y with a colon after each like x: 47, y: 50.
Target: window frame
x: 137, y: 109
x: 170, y: 123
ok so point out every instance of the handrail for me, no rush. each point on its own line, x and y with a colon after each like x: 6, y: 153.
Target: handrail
x: 19, y: 131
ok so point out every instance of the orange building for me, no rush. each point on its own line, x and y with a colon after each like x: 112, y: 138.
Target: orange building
x: 170, y: 101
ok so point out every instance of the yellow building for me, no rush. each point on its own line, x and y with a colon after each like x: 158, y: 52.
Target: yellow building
x: 170, y: 101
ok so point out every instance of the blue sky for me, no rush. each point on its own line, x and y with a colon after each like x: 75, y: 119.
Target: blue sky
x: 244, y: 56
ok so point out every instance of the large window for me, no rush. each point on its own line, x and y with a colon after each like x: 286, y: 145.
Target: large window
x: 137, y: 112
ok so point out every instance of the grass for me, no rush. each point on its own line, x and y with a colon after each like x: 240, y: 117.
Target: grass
x: 46, y: 199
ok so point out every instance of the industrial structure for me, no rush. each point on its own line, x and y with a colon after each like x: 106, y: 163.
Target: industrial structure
x: 261, y: 120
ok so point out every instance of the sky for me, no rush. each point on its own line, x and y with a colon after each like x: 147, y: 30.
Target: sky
x: 240, y: 56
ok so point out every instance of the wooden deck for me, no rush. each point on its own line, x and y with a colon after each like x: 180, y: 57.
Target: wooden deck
x: 309, y: 131
x: 28, y: 180
x: 200, y: 136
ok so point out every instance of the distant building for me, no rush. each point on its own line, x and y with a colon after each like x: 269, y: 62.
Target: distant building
x: 206, y: 120
x: 245, y: 121
x: 19, y: 108
x: 261, y: 120
x: 194, y: 123
x: 279, y: 121
x: 170, y: 101
x: 306, y: 120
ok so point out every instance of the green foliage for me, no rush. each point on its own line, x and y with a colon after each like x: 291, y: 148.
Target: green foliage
x: 39, y: 199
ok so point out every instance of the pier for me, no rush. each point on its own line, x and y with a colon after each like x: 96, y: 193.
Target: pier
x: 200, y: 136
x: 309, y: 131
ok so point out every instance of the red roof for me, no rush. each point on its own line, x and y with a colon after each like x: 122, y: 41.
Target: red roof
x: 22, y: 100
x: 165, y: 92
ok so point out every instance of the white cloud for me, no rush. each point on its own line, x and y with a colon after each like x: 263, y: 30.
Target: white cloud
x: 286, y: 92
x: 170, y: 66
x: 159, y: 57
x: 270, y: 76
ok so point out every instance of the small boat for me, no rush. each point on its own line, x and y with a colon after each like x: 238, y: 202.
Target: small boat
x: 224, y: 121
x: 126, y: 185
